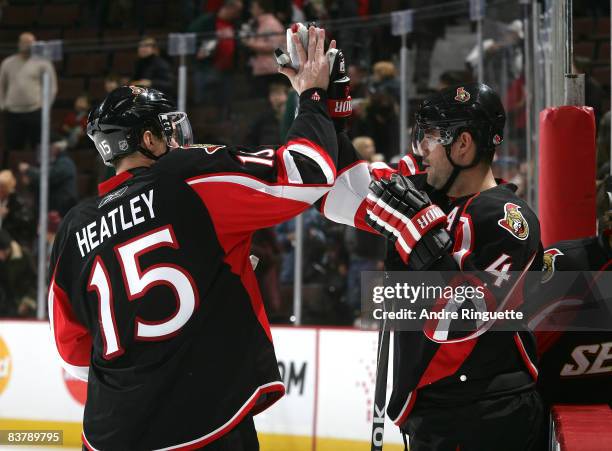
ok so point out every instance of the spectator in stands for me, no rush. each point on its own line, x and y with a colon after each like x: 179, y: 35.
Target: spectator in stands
x: 15, y: 217
x: 384, y: 79
x: 111, y: 82
x: 364, y: 145
x: 269, y: 34
x: 152, y: 71
x: 314, y: 246
x: 359, y: 81
x: 266, y: 130
x: 62, y: 178
x: 378, y: 119
x: 74, y: 124
x: 21, y: 96
x: 215, y: 58
x: 265, y: 247
x: 352, y: 38
x: 17, y: 279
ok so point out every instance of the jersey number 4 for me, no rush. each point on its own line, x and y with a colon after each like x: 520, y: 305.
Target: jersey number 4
x: 138, y: 283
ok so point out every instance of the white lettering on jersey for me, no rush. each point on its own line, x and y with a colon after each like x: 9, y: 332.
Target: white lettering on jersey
x: 582, y: 364
x: 138, y: 210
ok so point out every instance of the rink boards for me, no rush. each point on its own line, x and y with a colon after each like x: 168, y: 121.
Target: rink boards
x: 328, y: 374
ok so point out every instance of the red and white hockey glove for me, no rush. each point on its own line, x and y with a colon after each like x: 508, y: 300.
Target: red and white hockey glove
x: 399, y: 211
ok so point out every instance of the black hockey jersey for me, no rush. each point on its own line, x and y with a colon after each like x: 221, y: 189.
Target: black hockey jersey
x: 494, y: 232
x: 575, y: 367
x: 153, y: 299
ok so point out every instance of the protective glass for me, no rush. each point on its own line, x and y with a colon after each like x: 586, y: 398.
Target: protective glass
x: 427, y: 137
x: 177, y: 129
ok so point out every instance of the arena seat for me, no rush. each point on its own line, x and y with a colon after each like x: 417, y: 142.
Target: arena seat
x: 583, y: 27
x: 603, y: 51
x: 48, y: 35
x: 602, y: 75
x: 124, y: 62
x: 86, y: 64
x: 19, y: 16
x: 69, y: 88
x: 59, y: 15
x: 81, y: 34
x: 585, y: 49
x: 96, y: 88
x: 57, y: 116
x: 603, y: 26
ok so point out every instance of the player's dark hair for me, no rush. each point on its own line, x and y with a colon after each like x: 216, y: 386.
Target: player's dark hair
x: 486, y: 151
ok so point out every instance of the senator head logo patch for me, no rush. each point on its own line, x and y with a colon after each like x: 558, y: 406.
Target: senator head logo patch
x: 136, y: 90
x: 548, y: 270
x: 462, y: 95
x: 514, y: 221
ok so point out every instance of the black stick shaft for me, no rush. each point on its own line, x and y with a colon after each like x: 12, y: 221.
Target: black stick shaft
x: 380, y: 394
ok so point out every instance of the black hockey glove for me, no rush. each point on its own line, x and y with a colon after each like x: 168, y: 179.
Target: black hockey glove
x: 339, y: 91
x: 406, y: 216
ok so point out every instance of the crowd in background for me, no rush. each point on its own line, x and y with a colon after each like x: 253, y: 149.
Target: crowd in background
x: 235, y: 41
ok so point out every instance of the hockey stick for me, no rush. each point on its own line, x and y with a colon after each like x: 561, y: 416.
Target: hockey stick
x: 380, y: 393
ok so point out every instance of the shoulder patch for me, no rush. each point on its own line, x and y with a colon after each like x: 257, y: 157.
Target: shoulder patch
x: 514, y: 221
x: 548, y: 270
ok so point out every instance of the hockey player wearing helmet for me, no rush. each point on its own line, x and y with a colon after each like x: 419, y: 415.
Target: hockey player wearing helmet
x: 152, y: 297
x: 453, y: 388
x: 135, y: 119
x: 456, y: 133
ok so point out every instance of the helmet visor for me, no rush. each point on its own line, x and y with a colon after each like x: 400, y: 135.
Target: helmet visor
x: 177, y: 129
x: 425, y: 138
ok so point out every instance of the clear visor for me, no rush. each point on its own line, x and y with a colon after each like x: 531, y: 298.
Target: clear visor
x: 425, y: 138
x: 177, y: 129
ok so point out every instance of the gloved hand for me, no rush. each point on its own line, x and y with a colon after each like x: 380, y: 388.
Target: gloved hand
x: 339, y: 91
x: 339, y: 98
x: 399, y: 211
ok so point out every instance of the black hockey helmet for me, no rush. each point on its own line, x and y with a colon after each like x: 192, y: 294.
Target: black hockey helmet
x: 117, y: 124
x: 472, y: 107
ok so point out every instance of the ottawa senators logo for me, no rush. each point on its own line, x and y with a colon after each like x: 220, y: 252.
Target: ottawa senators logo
x: 548, y: 270
x: 137, y: 90
x: 462, y: 95
x: 514, y: 221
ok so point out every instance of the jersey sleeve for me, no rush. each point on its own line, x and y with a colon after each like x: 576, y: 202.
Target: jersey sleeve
x: 72, y: 339
x: 345, y: 202
x: 245, y: 188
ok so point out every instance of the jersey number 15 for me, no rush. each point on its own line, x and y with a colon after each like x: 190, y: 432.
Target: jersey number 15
x: 138, y: 283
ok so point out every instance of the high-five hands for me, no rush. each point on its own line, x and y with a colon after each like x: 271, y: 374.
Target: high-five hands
x: 312, y: 65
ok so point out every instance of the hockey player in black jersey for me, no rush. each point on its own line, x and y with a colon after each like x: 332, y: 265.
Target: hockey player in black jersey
x: 476, y: 392
x: 152, y: 296
x: 575, y: 366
